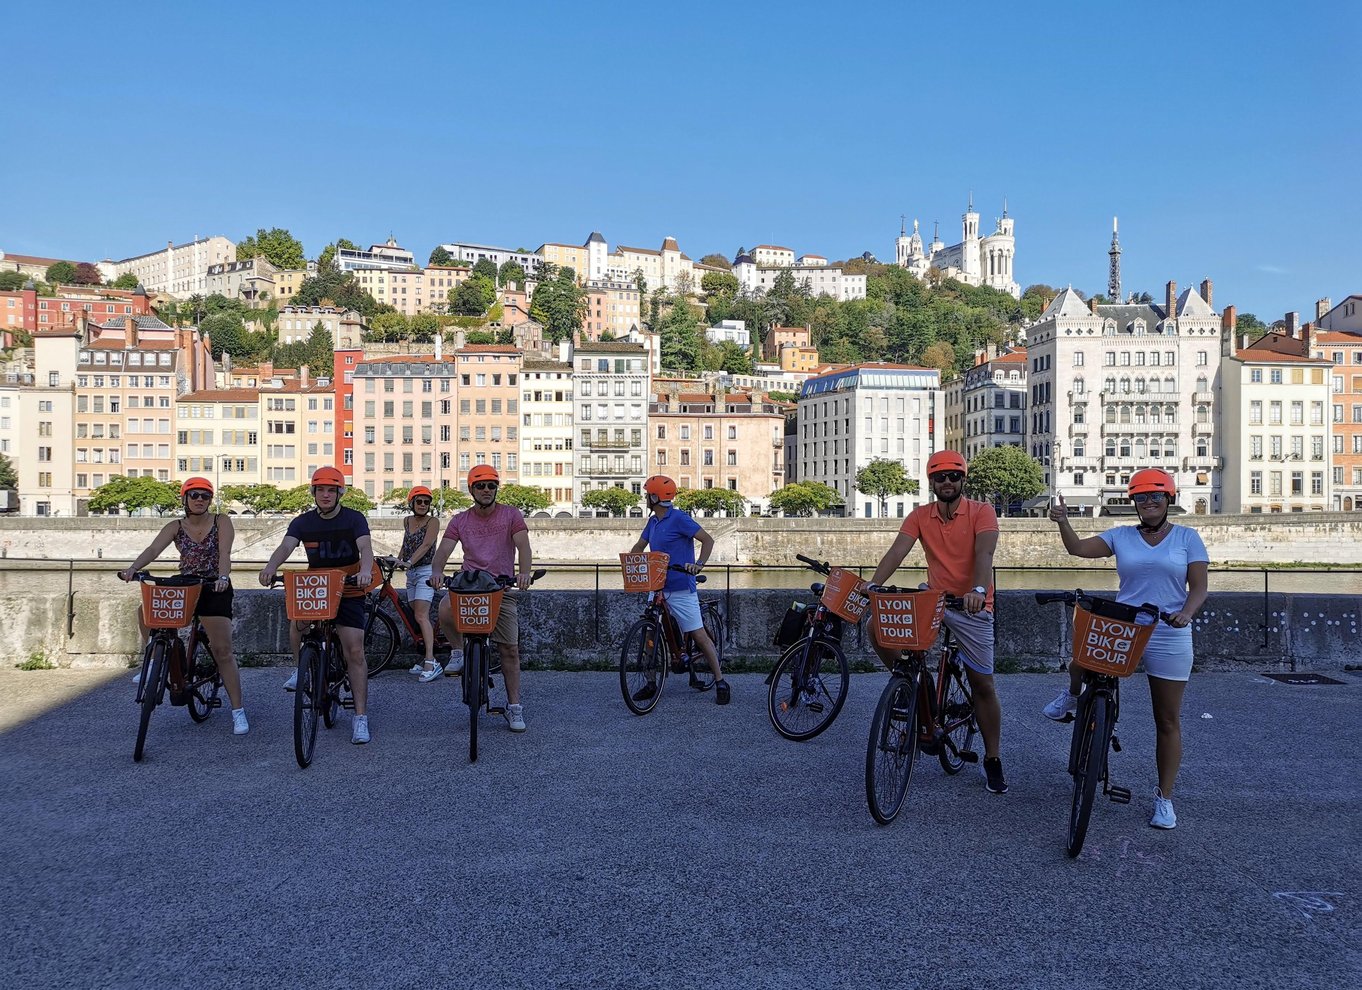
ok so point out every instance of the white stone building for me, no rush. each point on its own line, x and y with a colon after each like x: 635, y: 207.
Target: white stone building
x: 822, y: 280
x: 986, y: 406
x: 975, y: 260
x: 611, y: 385
x: 179, y: 270
x: 1345, y: 317
x: 1113, y: 389
x: 851, y: 416
x: 729, y: 331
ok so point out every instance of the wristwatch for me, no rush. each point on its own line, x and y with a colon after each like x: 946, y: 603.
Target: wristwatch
x: 979, y: 590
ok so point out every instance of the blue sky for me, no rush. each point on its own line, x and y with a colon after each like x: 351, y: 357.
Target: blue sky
x: 1224, y: 135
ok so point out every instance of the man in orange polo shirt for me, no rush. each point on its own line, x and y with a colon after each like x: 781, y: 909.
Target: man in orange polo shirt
x: 959, y: 536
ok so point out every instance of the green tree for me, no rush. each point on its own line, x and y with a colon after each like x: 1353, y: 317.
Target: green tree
x: 723, y: 500
x: 443, y: 499
x: 882, y: 478
x: 559, y: 304
x: 61, y: 273
x: 472, y: 297
x: 940, y: 355
x: 336, y: 288
x: 354, y: 498
x: 1249, y: 324
x: 1004, y: 475
x: 125, y: 281
x: 715, y: 261
x: 487, y: 268
x: 734, y: 360
x: 256, y: 498
x: 719, y: 284
x: 134, y: 494
x: 9, y: 478
x: 511, y: 271
x: 526, y: 498
x: 228, y: 335
x: 616, y: 501
x: 12, y: 281
x: 389, y: 327
x: 296, y: 499
x: 440, y: 258
x: 276, y: 245
x: 87, y: 274
x: 804, y: 498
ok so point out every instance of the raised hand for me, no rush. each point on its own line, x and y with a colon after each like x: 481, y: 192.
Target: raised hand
x: 1058, y: 513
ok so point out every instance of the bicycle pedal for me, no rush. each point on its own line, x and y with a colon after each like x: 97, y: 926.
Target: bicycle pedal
x: 1121, y: 795
x: 968, y: 756
x: 496, y: 711
x: 814, y: 706
x: 1115, y: 744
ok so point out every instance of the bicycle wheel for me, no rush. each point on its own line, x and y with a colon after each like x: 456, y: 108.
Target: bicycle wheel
x: 332, y: 683
x: 643, y: 666
x: 891, y: 748
x: 474, y: 684
x: 714, y: 625
x: 1088, y: 768
x: 808, y: 689
x: 204, y: 697
x: 306, y: 698
x: 153, y: 687
x: 957, y: 716
x: 380, y: 641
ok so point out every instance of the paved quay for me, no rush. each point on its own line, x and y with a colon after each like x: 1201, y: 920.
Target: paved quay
x: 690, y: 848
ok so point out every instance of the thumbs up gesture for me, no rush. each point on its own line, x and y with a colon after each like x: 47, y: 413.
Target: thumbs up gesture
x: 1058, y: 512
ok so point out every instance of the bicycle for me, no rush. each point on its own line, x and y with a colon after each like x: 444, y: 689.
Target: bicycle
x: 1107, y: 643
x: 808, y: 685
x: 916, y: 710
x: 653, y: 646
x: 475, y: 615
x: 323, y: 687
x: 381, y: 636
x: 190, y: 672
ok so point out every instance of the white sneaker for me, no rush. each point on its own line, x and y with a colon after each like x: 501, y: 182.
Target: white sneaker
x: 292, y: 682
x: 360, y: 734
x: 417, y: 668
x: 239, y: 724
x: 455, y: 665
x: 515, y: 717
x: 137, y: 677
x: 1164, y: 816
x: 434, y: 673
x: 1063, y: 708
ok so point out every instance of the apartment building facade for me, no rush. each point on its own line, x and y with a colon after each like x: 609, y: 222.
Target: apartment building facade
x: 852, y: 416
x: 547, y: 430
x: 991, y: 410
x: 611, y: 385
x: 708, y: 440
x: 404, y: 423
x: 611, y: 307
x: 178, y: 270
x: 23, y: 309
x: 489, y: 410
x: 1344, y: 352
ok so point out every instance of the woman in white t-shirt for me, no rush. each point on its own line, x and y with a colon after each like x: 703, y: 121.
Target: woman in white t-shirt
x: 1165, y: 565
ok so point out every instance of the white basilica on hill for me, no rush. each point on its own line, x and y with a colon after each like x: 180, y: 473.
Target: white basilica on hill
x: 975, y: 260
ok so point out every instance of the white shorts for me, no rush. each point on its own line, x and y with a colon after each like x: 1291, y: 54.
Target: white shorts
x: 417, y: 589
x: 685, y: 609
x: 1169, y: 653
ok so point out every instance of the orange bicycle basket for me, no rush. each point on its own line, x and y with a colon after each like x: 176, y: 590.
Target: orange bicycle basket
x: 844, y: 595
x: 1108, y: 646
x: 311, y: 596
x: 476, y: 612
x: 908, y: 621
x: 644, y: 571
x: 169, y: 606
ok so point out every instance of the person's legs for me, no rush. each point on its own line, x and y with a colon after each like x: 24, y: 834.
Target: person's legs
x: 352, y: 646
x: 988, y: 710
x: 1166, y: 696
x: 218, y: 629
x: 507, y: 637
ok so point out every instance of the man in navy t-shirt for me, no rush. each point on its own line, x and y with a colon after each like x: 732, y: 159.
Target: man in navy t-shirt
x: 675, y: 533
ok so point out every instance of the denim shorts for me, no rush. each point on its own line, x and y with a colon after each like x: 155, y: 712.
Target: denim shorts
x: 417, y: 589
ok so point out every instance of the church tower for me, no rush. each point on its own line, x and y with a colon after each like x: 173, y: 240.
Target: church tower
x: 970, y: 262
x: 901, y: 245
x: 1114, y: 270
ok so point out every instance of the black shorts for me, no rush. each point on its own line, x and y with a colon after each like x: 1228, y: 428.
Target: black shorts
x: 351, y: 613
x: 214, y: 604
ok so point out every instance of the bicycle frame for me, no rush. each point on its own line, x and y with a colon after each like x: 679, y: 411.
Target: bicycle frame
x: 387, y: 591
x: 932, y: 729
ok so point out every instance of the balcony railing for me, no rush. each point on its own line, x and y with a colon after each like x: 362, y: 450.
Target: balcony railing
x: 606, y: 444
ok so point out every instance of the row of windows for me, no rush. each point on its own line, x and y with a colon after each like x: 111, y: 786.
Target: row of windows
x: 134, y: 358
x: 1274, y: 483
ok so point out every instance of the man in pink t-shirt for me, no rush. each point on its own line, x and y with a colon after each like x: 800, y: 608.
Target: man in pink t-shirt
x: 494, y: 539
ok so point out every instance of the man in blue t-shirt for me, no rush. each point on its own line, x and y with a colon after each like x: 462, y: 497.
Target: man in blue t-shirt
x: 675, y: 533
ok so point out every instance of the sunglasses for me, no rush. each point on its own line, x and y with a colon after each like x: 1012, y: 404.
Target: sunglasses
x: 1148, y: 498
x: 484, y: 486
x: 954, y: 477
x: 200, y: 496
x: 420, y: 500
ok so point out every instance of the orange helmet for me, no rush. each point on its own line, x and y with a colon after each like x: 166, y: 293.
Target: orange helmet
x: 483, y: 472
x: 196, y: 485
x: 417, y: 491
x: 328, y: 476
x: 946, y: 460
x: 660, y: 487
x: 1153, y: 480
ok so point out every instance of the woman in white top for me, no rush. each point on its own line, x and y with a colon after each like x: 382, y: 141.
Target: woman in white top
x: 1165, y: 565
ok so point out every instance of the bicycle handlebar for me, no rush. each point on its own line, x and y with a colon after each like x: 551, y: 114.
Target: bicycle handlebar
x: 699, y: 578
x: 504, y: 580
x: 820, y: 567
x: 1080, y: 597
x: 182, y: 580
